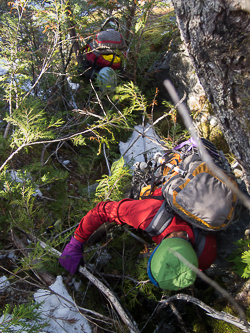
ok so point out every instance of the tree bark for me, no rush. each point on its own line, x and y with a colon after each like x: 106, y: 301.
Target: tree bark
x: 216, y: 34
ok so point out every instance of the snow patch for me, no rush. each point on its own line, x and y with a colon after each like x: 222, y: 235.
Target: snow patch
x: 135, y: 148
x: 73, y: 86
x: 75, y: 283
x: 13, y: 175
x: 4, y: 283
x: 10, y: 254
x: 4, y: 67
x: 59, y: 309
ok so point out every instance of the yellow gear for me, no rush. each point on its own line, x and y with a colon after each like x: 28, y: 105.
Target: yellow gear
x: 108, y: 57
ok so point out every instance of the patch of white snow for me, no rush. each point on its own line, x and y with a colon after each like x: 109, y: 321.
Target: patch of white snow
x: 135, y: 148
x: 4, y: 283
x: 59, y: 309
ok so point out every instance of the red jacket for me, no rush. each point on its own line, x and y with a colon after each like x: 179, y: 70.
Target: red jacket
x: 138, y: 214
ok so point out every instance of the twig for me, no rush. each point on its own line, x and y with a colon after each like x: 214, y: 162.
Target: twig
x: 123, y: 260
x: 88, y: 113
x: 210, y: 311
x: 99, y: 101
x: 115, y: 276
x: 204, y: 155
x: 91, y: 319
x: 46, y: 198
x: 64, y: 231
x: 111, y: 102
x: 69, y: 137
x: 43, y: 152
x: 107, y: 162
x: 179, y: 317
x: 44, y: 277
x: 150, y: 317
x: 111, y: 297
x: 21, y: 279
x: 138, y: 238
x: 45, y: 65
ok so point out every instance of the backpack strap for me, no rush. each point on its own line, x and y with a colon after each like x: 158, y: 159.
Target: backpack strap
x: 113, y: 58
x: 160, y: 222
x: 200, y: 240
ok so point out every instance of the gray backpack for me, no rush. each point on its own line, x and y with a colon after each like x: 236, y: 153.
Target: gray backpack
x: 191, y: 189
x: 199, y: 197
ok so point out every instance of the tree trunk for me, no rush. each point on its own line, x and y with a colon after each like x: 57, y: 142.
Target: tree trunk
x: 216, y: 34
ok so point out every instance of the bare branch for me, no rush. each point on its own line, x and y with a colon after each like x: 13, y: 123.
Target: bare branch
x: 210, y: 311
x: 179, y: 317
x: 106, y: 159
x: 99, y: 101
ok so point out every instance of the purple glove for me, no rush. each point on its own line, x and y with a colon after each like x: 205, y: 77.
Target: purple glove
x: 72, y: 257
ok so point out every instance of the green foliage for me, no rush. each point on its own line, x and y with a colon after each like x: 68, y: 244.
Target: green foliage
x: 31, y: 125
x: 131, y: 93
x: 20, y: 193
x: 79, y: 140
x: 241, y: 258
x: 170, y: 127
x: 23, y: 318
x: 112, y: 187
x: 148, y: 289
x: 43, y: 259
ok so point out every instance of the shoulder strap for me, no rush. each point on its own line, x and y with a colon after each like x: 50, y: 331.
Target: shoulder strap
x: 200, y: 240
x: 160, y: 222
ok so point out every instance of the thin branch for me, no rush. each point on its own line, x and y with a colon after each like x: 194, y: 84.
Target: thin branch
x: 111, y: 102
x: 179, y: 317
x: 111, y: 297
x: 115, y: 276
x: 45, y: 66
x: 99, y: 101
x: 150, y: 317
x: 209, y: 311
x: 137, y: 238
x: 44, y: 277
x: 22, y: 279
x: 91, y: 319
x: 88, y: 113
x: 107, y: 162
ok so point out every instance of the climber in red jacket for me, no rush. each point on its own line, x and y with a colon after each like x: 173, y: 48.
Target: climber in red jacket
x: 165, y: 270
